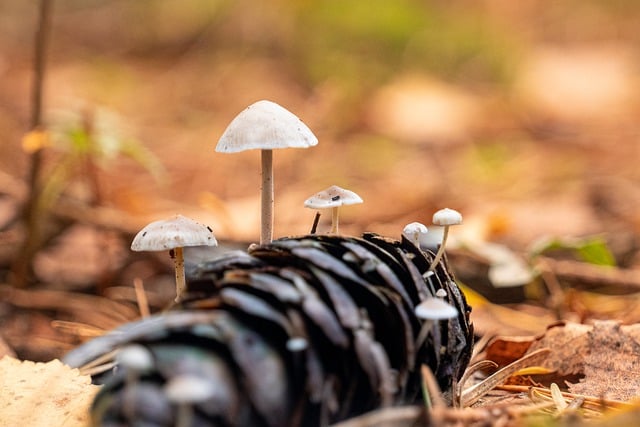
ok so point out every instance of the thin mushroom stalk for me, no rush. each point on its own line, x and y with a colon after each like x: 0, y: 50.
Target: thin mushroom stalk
x: 184, y: 418
x: 266, y: 229
x: 440, y: 252
x: 334, y: 220
x: 178, y: 261
x: 444, y: 217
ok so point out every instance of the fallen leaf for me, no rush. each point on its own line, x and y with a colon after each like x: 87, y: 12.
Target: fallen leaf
x: 606, y: 354
x: 43, y: 394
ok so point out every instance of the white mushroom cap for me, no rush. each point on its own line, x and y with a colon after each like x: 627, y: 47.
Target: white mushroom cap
x: 441, y: 293
x: 332, y: 197
x: 189, y: 389
x: 447, y: 216
x: 414, y: 228
x: 135, y: 357
x: 176, y: 232
x: 265, y: 125
x: 297, y: 344
x: 435, y: 309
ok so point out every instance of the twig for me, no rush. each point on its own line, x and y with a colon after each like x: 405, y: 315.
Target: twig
x: 592, y: 275
x: 384, y: 417
x: 141, y: 297
x: 473, y: 393
x: 433, y: 395
x: 314, y: 226
x: 31, y: 215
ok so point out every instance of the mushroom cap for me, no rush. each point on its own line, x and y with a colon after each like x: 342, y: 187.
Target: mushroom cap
x: 447, y: 216
x: 265, y: 125
x: 332, y: 197
x: 297, y: 344
x: 135, y: 357
x: 441, y: 293
x: 435, y: 309
x: 415, y: 227
x: 176, y: 232
x: 189, y: 389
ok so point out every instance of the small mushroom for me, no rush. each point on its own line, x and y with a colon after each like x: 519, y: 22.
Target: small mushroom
x: 441, y: 293
x: 333, y: 197
x: 266, y: 126
x: 174, y: 234
x: 430, y: 310
x: 135, y: 360
x: 414, y: 231
x: 187, y: 391
x: 444, y: 217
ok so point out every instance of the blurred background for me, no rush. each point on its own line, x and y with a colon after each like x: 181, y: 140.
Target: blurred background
x: 524, y: 116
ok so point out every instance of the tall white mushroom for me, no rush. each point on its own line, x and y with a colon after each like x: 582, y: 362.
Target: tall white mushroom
x: 265, y: 126
x: 174, y: 234
x: 332, y: 197
x: 444, y: 217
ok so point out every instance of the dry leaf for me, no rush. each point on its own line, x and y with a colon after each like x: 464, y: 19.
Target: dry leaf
x: 43, y: 394
x: 600, y: 360
x: 503, y: 350
x: 607, y: 354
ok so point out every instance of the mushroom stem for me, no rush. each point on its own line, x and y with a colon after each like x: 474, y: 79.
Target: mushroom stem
x: 334, y: 220
x: 266, y: 230
x: 426, y: 327
x: 185, y: 415
x: 416, y: 239
x: 440, y: 252
x: 178, y: 260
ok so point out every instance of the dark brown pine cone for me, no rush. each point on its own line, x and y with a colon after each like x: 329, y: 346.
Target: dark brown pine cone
x: 300, y: 332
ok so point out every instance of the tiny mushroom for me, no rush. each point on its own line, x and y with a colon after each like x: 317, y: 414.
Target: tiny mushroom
x: 174, y: 234
x: 135, y: 360
x: 444, y: 217
x: 333, y: 197
x: 414, y: 231
x: 266, y: 126
x: 186, y: 391
x: 430, y: 310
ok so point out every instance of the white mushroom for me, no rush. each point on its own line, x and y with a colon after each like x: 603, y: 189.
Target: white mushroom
x: 186, y: 391
x: 333, y: 197
x: 430, y: 310
x: 444, y: 217
x: 135, y: 359
x: 174, y: 234
x: 265, y: 126
x: 414, y: 231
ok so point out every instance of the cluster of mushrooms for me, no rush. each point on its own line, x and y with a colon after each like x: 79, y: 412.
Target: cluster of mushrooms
x: 266, y: 126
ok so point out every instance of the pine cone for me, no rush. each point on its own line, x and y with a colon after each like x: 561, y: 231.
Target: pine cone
x: 300, y: 332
